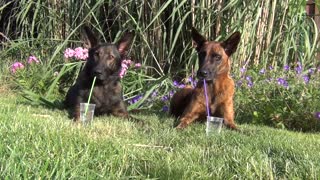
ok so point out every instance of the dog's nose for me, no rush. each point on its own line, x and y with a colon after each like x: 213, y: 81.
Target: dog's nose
x: 202, y: 73
x: 97, y: 72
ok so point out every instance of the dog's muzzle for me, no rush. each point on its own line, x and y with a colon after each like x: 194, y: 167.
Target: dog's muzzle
x: 204, y: 74
x: 98, y: 73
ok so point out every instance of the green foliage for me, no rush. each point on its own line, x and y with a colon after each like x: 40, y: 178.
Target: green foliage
x: 279, y: 98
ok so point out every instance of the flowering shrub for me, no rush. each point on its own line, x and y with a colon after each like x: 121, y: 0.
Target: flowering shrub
x: 125, y: 65
x: 19, y: 65
x: 282, y: 98
x: 30, y: 76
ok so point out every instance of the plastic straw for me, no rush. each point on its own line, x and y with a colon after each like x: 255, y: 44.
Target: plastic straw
x: 87, y: 106
x: 205, y: 92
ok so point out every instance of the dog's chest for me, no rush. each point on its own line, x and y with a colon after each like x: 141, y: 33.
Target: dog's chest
x: 106, y: 94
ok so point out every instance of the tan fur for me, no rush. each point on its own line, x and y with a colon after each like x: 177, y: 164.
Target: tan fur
x: 188, y: 105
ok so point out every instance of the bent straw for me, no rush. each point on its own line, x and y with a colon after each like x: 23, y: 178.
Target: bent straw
x: 94, y: 80
x: 205, y: 92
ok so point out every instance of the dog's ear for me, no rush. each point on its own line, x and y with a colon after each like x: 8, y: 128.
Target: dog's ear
x: 197, y: 39
x: 90, y: 38
x: 125, y: 42
x: 230, y: 45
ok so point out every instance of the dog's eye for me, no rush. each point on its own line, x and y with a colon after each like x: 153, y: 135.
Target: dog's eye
x: 111, y: 56
x: 96, y: 53
x: 216, y: 57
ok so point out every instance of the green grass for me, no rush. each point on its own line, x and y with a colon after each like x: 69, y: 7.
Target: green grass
x: 43, y: 143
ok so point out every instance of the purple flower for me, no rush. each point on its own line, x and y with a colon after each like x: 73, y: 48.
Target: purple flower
x: 249, y: 81
x: 175, y: 83
x: 262, y: 71
x: 242, y: 69
x: 165, y: 108
x: 239, y: 83
x: 154, y: 94
x: 68, y: 53
x: 171, y: 93
x: 32, y: 59
x: 269, y: 80
x: 317, y: 115
x: 306, y: 79
x: 270, y: 68
x: 282, y: 82
x: 192, y: 81
x: 165, y: 98
x: 311, y: 70
x: 286, y: 67
x: 250, y: 84
x: 298, y: 68
x: 15, y: 66
x: 137, y: 98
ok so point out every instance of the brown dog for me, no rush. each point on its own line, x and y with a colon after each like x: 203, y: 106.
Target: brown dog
x: 104, y: 63
x: 214, y: 67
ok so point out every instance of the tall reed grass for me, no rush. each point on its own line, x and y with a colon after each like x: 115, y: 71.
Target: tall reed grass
x: 273, y: 32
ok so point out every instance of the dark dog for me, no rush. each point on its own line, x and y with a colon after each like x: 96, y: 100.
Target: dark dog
x: 104, y: 63
x: 214, y: 66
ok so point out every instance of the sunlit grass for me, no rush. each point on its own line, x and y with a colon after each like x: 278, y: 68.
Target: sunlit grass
x: 37, y: 142
x: 43, y: 143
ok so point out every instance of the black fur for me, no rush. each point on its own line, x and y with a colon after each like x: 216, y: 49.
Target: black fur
x: 104, y: 63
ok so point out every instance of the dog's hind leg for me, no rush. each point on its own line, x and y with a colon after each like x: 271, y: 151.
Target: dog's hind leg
x: 193, y: 111
x: 120, y: 110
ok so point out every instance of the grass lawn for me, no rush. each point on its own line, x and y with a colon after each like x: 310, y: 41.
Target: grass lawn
x: 43, y: 143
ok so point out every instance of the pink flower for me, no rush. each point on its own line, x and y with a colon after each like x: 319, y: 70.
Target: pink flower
x: 137, y: 65
x: 85, y: 53
x: 122, y: 72
x: 15, y: 66
x: 124, y: 66
x: 69, y: 53
x: 33, y: 59
x: 128, y: 62
x: 81, y: 53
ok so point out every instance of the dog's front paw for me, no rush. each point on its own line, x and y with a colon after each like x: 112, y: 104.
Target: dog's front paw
x: 182, y: 125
